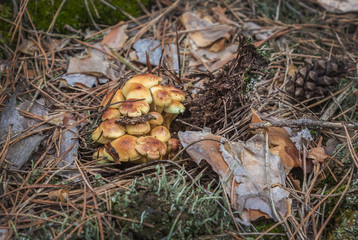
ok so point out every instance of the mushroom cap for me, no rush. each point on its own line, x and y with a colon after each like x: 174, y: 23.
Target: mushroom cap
x: 148, y: 80
x: 138, y: 129
x: 137, y: 91
x: 161, y: 96
x: 118, y: 97
x: 151, y: 147
x: 162, y: 133
x: 111, y: 129
x: 125, y: 148
x: 98, y: 137
x: 99, y: 155
x: 158, y: 119
x: 176, y: 93
x: 173, y: 144
x: 134, y: 108
x: 175, y: 107
x: 111, y: 113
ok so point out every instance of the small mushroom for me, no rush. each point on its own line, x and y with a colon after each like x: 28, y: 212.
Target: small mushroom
x: 151, y: 147
x: 161, y: 98
x: 148, y: 80
x: 176, y: 93
x: 117, y: 98
x: 138, y: 129
x: 125, y: 147
x: 157, y: 121
x: 111, y: 113
x: 162, y: 133
x: 97, y: 136
x: 137, y: 91
x: 111, y: 129
x: 172, y: 111
x: 173, y: 144
x: 132, y: 108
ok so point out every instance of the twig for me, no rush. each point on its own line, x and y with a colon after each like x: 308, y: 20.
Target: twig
x: 335, y: 105
x: 304, y: 123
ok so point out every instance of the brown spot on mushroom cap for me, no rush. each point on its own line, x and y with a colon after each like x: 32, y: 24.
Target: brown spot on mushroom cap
x: 148, y: 80
x: 125, y: 148
x: 176, y: 93
x: 161, y: 96
x: 132, y: 108
x: 137, y: 91
x: 111, y: 113
x: 111, y: 129
x: 118, y: 97
x: 162, y: 133
x: 138, y: 129
x: 97, y: 136
x: 151, y: 147
x: 158, y: 119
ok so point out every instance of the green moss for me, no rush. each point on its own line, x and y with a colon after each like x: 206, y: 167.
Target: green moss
x: 75, y: 14
x: 173, y: 206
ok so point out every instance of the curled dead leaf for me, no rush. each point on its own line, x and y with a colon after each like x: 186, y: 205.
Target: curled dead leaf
x: 242, y: 166
x: 60, y: 194
x: 317, y: 155
x: 281, y: 144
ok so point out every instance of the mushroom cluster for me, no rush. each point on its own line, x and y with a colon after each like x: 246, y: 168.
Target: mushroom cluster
x: 135, y: 125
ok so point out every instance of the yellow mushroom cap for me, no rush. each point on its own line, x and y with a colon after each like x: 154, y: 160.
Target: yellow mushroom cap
x: 151, y: 147
x: 138, y: 129
x: 148, y: 80
x: 111, y: 129
x: 97, y: 136
x: 175, y: 107
x: 176, y: 93
x: 162, y: 133
x: 125, y: 148
x: 137, y: 91
x: 111, y: 113
x: 158, y: 119
x: 132, y: 108
x: 118, y: 97
x: 161, y: 97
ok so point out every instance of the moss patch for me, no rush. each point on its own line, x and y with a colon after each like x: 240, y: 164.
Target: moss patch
x: 75, y: 14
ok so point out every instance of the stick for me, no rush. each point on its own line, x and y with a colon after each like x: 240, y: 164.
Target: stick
x: 304, y: 122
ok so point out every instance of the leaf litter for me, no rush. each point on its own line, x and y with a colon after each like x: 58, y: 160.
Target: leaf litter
x: 265, y: 173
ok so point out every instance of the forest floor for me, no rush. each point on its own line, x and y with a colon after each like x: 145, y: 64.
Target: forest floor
x: 270, y: 85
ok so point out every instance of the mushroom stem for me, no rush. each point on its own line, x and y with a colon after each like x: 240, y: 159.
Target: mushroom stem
x: 168, y: 119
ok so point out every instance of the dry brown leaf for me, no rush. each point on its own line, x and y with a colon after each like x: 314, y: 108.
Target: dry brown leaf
x: 281, y: 144
x: 94, y: 63
x: 60, y: 194
x: 317, y: 155
x: 210, y: 33
x: 116, y: 38
x: 243, y: 167
x: 292, y: 70
x: 28, y: 47
x: 78, y: 80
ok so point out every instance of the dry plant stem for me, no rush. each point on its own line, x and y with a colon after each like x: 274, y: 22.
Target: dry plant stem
x: 320, y: 202
x: 335, y: 105
x: 335, y: 207
x: 351, y: 148
x: 304, y: 123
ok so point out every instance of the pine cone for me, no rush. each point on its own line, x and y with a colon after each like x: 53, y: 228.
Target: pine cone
x: 316, y: 78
